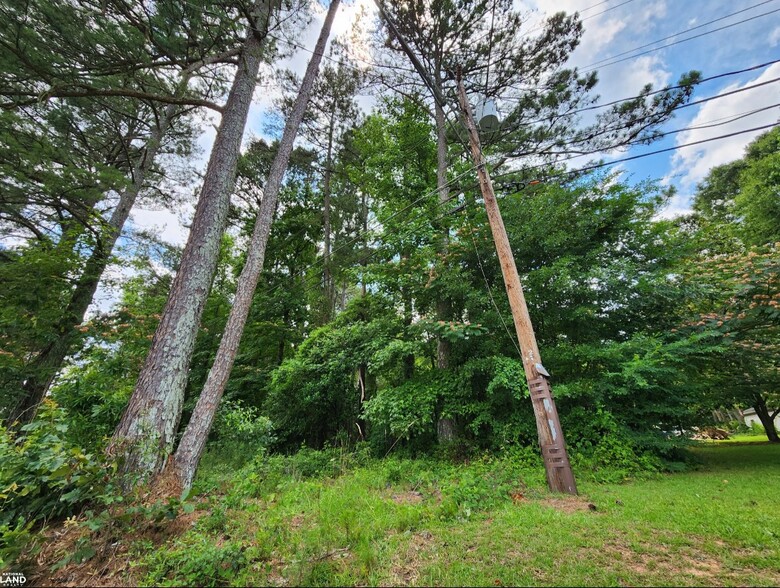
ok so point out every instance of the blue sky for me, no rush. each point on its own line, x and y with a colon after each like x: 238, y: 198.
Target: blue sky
x: 611, y: 28
x: 641, y: 22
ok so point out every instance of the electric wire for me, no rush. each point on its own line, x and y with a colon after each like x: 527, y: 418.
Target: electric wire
x: 611, y: 8
x: 588, y: 68
x: 596, y: 63
x: 592, y: 6
x: 588, y: 168
x: 620, y: 127
x: 540, y: 27
x: 512, y: 337
x: 709, y: 124
x: 654, y: 92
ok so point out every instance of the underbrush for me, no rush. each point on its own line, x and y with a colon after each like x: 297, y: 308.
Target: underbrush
x: 335, y: 517
x: 324, y: 517
x: 45, y: 476
x: 343, y: 517
x: 48, y: 481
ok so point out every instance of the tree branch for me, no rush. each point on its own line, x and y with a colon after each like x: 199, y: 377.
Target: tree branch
x: 87, y: 91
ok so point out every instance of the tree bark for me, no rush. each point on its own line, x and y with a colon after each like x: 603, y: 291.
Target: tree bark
x: 145, y: 434
x: 767, y: 419
x: 193, y: 440
x: 327, y: 276
x: 445, y: 427
x: 44, y: 368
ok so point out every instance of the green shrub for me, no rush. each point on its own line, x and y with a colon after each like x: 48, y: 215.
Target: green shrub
x: 236, y: 423
x: 43, y: 475
x: 736, y: 427
x: 14, y: 541
x: 196, y: 560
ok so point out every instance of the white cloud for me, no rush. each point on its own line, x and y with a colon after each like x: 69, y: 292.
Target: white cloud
x: 693, y: 163
x: 774, y: 37
x: 168, y: 225
x: 607, y: 35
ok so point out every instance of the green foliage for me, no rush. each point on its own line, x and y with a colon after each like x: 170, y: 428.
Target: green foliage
x: 196, y: 561
x: 43, y: 475
x: 758, y: 200
x: 35, y: 290
x: 15, y: 540
x: 314, y: 396
x: 452, y: 331
x: 95, y: 388
x: 408, y: 409
x: 740, y: 199
x: 238, y: 424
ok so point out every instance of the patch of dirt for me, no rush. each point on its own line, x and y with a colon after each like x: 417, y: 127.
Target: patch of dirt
x: 297, y: 522
x: 405, y: 567
x: 517, y: 496
x: 410, y: 497
x: 110, y: 565
x: 568, y: 504
x: 659, y: 559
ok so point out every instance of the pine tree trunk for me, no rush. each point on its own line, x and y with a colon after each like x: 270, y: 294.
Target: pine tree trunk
x: 44, y: 368
x: 445, y: 427
x: 327, y: 275
x: 195, y: 435
x: 145, y: 435
x: 767, y: 419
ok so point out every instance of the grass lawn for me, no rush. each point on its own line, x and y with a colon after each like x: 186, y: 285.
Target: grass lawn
x: 745, y: 438
x: 488, y: 523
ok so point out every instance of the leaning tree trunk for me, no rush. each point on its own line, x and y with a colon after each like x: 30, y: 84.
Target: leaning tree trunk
x: 145, y: 434
x: 48, y: 362
x: 767, y: 419
x: 193, y: 440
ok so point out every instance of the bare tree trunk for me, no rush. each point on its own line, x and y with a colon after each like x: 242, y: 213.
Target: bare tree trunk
x: 145, y: 435
x: 364, y: 259
x: 767, y: 419
x: 445, y: 427
x: 194, y: 438
x: 327, y: 275
x: 48, y: 362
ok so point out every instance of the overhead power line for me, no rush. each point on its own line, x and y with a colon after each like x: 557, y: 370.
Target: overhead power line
x: 680, y: 107
x: 660, y: 91
x: 704, y: 24
x: 639, y: 156
x: 648, y: 51
x: 611, y: 8
x: 541, y: 26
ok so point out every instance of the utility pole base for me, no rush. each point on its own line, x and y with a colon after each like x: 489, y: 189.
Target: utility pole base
x: 556, y: 460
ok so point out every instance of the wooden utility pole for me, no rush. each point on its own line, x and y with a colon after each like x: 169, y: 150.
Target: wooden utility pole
x: 560, y: 477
